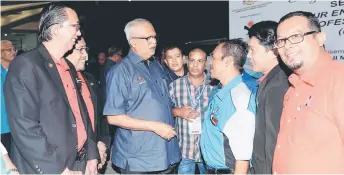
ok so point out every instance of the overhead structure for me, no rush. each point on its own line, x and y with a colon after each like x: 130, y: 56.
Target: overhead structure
x: 19, y: 22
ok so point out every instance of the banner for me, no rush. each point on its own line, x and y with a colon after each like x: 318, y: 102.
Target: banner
x: 330, y: 13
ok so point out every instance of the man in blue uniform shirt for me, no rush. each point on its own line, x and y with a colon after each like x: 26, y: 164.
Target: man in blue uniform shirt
x: 138, y: 102
x: 228, y: 129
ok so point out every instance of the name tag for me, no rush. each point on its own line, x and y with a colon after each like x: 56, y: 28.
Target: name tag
x: 195, y: 127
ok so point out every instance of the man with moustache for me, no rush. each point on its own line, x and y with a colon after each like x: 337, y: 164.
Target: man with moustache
x: 174, y: 61
x: 272, y: 87
x: 311, y: 133
x: 90, y: 92
x: 49, y: 125
x: 138, y: 102
x: 228, y: 128
x: 190, y: 109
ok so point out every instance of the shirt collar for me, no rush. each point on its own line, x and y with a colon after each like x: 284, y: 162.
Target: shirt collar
x: 186, y: 71
x: 62, y: 62
x: 310, y: 77
x: 136, y: 58
x: 260, y: 80
x: 3, y: 69
x: 224, y: 90
x: 190, y: 84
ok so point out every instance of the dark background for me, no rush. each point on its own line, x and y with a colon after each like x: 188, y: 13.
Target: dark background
x: 176, y: 22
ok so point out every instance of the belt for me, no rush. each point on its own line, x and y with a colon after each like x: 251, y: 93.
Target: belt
x: 211, y: 170
x: 80, y: 155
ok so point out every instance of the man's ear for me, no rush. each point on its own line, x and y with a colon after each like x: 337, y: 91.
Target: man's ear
x: 132, y: 43
x: 228, y: 61
x: 56, y: 30
x: 321, y: 38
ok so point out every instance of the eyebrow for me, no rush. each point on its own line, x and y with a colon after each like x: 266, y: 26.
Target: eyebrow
x: 293, y: 32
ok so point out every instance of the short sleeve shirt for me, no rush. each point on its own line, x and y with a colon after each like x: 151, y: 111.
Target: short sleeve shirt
x: 137, y: 91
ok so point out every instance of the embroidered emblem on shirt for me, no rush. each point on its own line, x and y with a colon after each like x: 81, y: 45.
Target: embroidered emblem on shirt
x: 214, y: 120
x: 140, y: 80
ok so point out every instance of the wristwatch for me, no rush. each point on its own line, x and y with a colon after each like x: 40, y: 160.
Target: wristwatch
x: 10, y: 170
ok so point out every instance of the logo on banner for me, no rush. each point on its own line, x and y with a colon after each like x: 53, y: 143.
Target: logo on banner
x: 248, y: 2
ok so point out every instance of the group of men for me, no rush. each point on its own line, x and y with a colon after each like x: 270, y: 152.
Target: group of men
x: 172, y: 120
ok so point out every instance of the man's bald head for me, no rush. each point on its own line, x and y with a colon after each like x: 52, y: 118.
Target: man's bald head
x: 8, y: 51
x: 197, y: 50
x: 5, y: 42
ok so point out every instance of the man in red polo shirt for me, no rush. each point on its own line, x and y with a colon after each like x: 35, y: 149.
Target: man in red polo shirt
x: 311, y: 133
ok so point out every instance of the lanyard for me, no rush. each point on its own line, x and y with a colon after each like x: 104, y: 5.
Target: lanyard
x: 195, y: 101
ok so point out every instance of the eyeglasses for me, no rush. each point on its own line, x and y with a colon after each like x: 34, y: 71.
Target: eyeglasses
x: 148, y: 39
x: 10, y: 50
x: 76, y: 26
x: 293, y: 39
x: 86, y: 49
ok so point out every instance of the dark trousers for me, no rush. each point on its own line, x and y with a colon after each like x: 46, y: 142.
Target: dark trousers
x: 211, y: 170
x: 172, y: 169
x: 6, y: 141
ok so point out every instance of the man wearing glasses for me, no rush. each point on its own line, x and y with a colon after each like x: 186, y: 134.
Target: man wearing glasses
x: 311, y: 133
x: 138, y: 102
x: 90, y: 92
x: 49, y: 124
x: 8, y: 52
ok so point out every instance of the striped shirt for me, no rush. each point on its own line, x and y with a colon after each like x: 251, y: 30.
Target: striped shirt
x: 183, y: 94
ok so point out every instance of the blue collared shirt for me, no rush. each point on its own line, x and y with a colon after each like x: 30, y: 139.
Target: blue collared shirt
x: 134, y: 90
x: 5, y: 127
x: 171, y: 76
x: 228, y: 128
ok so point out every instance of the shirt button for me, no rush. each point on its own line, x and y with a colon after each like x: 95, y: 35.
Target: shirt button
x: 162, y: 94
x: 73, y: 125
x: 288, y: 120
x: 275, y: 172
x: 298, y: 108
x: 296, y: 94
x: 278, y: 146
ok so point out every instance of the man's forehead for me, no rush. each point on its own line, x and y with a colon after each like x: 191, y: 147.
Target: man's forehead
x: 197, y: 53
x: 173, y: 51
x: 81, y: 43
x: 143, y: 28
x: 71, y: 15
x: 6, y: 44
x: 293, y: 25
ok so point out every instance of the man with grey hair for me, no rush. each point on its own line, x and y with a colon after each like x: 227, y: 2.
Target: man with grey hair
x: 8, y: 52
x: 138, y: 102
x: 49, y: 124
